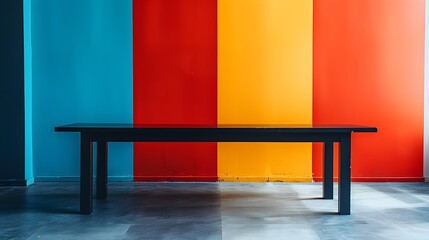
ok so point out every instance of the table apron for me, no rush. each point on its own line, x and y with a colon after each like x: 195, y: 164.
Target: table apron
x: 215, y: 137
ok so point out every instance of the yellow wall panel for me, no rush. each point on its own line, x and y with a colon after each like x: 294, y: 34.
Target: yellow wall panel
x: 265, y: 77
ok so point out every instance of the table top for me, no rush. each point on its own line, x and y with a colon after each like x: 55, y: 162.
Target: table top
x: 79, y: 127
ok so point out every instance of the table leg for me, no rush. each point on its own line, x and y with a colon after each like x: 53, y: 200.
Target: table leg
x: 85, y: 174
x: 344, y: 182
x: 101, y: 170
x: 328, y: 171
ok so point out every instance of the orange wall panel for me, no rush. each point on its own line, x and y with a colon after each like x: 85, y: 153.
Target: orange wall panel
x: 368, y: 69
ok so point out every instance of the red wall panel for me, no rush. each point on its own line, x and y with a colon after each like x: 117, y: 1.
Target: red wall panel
x: 175, y: 82
x: 368, y: 69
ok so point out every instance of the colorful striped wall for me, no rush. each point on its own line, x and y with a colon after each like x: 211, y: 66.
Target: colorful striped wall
x: 234, y: 61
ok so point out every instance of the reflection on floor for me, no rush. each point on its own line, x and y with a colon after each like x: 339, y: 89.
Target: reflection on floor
x: 215, y: 211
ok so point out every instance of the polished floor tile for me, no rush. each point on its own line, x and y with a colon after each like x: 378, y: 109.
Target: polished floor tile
x: 215, y: 211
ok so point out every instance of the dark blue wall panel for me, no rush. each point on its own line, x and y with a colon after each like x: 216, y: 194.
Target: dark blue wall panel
x: 12, y: 140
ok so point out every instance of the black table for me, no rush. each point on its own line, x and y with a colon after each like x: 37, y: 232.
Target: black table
x: 104, y: 133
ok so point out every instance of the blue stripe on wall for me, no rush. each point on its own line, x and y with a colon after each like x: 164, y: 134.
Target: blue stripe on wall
x: 28, y: 97
x: 82, y: 72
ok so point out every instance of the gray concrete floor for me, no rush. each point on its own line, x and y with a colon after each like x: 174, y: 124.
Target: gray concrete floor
x: 215, y: 211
